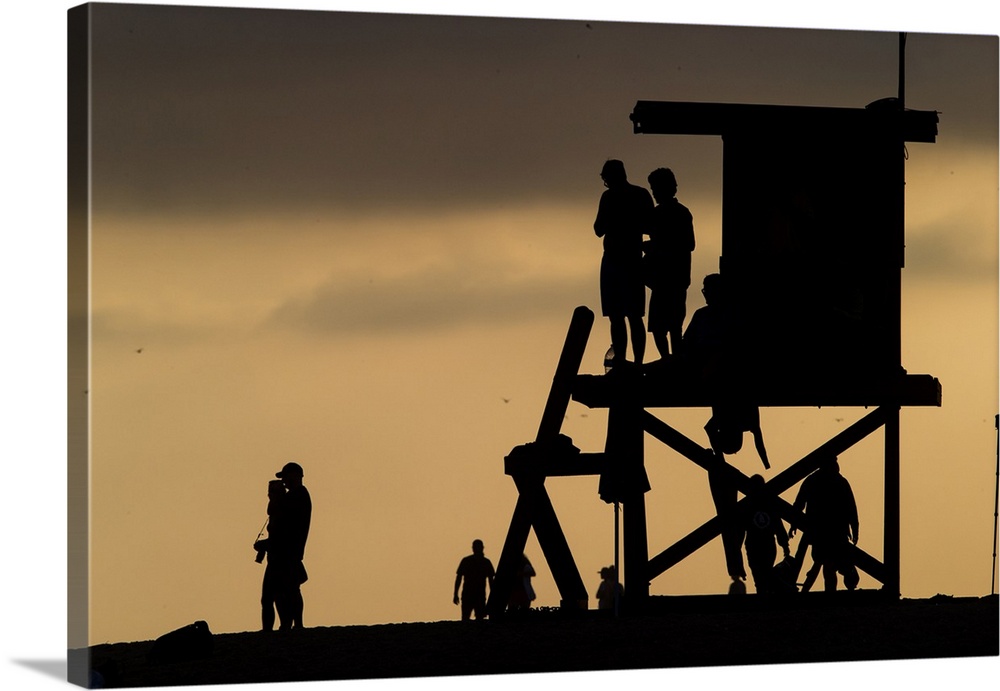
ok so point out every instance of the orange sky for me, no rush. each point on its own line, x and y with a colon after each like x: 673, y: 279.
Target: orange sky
x: 310, y: 276
x: 342, y: 319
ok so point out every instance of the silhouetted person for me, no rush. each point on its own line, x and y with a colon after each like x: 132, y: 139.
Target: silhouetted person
x: 763, y: 529
x: 709, y: 337
x: 668, y: 262
x: 523, y: 594
x: 832, y: 521
x: 623, y: 217
x: 729, y: 421
x: 476, y: 571
x: 812, y: 574
x: 289, y: 530
x: 270, y: 587
x: 609, y: 589
x: 709, y: 357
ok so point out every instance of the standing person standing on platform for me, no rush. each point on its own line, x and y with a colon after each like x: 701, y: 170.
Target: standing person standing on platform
x: 477, y: 572
x: 667, y: 262
x: 623, y: 216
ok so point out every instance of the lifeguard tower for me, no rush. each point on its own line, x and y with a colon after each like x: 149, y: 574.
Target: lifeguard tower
x: 812, y: 252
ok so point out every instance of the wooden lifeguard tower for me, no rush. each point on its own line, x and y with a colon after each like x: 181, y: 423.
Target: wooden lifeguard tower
x: 812, y: 251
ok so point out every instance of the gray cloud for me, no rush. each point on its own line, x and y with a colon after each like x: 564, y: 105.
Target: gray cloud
x: 431, y: 300
x: 213, y: 110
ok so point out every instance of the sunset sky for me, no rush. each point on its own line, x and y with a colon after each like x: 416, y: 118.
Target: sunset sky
x: 355, y: 241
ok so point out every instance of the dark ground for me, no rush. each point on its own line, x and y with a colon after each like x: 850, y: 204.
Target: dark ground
x: 684, y: 632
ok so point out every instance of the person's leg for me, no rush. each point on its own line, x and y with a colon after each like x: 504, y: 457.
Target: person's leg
x: 283, y: 595
x: 661, y: 343
x: 829, y: 577
x: 267, y: 602
x: 811, y: 575
x: 619, y: 339
x: 675, y: 339
x: 638, y: 330
x: 295, y: 606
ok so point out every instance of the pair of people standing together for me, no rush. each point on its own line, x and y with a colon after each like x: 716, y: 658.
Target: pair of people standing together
x: 289, y: 511
x: 663, y: 262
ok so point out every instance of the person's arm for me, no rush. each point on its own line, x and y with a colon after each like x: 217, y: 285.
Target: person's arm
x: 458, y: 582
x: 758, y: 441
x: 853, y: 515
x: 797, y: 507
x: 600, y: 223
x: 689, y: 232
x: 782, y: 536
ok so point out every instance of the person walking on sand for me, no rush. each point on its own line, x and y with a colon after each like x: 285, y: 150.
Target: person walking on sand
x: 474, y: 573
x: 832, y: 523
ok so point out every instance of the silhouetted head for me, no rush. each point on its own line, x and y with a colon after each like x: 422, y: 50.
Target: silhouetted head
x: 729, y: 441
x: 712, y: 288
x: 829, y: 465
x: 613, y: 173
x: 477, y: 546
x: 663, y: 184
x: 757, y: 482
x: 291, y: 474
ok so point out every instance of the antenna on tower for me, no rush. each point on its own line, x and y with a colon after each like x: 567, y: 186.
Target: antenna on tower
x: 902, y: 70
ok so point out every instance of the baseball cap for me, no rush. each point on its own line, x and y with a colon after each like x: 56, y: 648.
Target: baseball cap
x: 290, y: 469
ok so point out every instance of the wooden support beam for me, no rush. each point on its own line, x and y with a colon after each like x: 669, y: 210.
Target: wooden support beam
x: 666, y: 434
x: 667, y: 388
x: 711, y: 529
x: 786, y: 479
x: 551, y: 539
x: 534, y: 508
x: 559, y: 466
x: 891, y: 507
x: 510, y: 557
x: 833, y: 447
x: 566, y: 371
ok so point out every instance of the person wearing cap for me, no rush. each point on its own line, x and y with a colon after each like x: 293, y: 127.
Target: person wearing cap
x: 287, y: 544
x: 609, y: 589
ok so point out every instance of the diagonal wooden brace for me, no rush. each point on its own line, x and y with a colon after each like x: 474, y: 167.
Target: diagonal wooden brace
x: 786, y: 479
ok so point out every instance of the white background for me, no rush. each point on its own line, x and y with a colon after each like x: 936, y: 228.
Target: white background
x: 33, y: 432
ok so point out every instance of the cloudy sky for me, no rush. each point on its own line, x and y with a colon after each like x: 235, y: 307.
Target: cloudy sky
x: 348, y: 239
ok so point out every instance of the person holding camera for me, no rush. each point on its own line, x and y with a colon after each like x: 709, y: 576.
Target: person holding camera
x: 289, y: 516
x: 269, y: 592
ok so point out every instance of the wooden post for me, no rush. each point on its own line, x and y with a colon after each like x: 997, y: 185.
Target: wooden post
x: 891, y: 550
x: 534, y: 508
